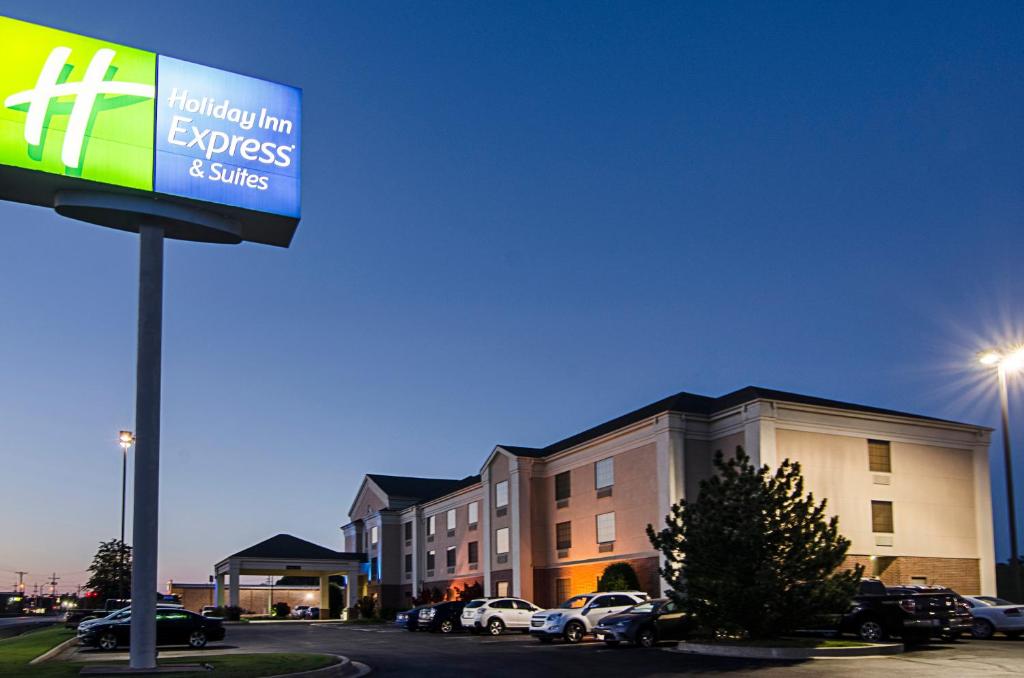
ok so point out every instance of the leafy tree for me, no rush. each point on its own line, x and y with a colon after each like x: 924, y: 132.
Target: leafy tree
x: 111, y: 570
x: 470, y: 591
x: 618, y: 577
x: 753, y: 555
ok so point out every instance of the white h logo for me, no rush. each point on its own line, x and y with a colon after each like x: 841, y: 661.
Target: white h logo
x: 85, y: 92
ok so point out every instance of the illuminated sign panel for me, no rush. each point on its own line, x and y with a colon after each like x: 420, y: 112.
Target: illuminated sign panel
x: 227, y: 138
x: 76, y: 106
x: 76, y: 110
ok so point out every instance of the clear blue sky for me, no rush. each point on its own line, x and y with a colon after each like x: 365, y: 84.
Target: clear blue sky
x: 520, y: 220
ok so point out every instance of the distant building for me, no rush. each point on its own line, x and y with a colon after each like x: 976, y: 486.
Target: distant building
x: 911, y: 493
x: 252, y: 597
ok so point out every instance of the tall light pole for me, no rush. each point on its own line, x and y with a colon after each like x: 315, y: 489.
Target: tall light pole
x: 125, y: 439
x: 1004, y: 362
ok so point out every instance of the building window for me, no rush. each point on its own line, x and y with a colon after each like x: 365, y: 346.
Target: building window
x: 563, y: 535
x: 408, y: 531
x: 605, y: 528
x: 450, y: 557
x: 374, y: 569
x: 430, y: 560
x: 373, y: 535
x: 474, y: 513
x: 879, y: 456
x: 604, y: 473
x: 501, y: 494
x: 431, y: 525
x: 474, y: 552
x: 501, y: 541
x: 563, y: 486
x: 451, y: 522
x: 408, y: 562
x: 562, y: 589
x: 881, y: 516
x: 501, y: 589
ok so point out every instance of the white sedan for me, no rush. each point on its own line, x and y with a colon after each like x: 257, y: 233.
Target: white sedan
x: 993, y: 614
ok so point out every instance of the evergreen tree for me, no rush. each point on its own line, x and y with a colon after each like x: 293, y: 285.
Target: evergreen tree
x: 618, y: 577
x: 753, y: 555
x: 111, y: 571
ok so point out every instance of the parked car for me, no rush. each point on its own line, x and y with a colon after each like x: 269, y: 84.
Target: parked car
x: 443, y: 617
x: 313, y: 613
x: 914, y: 613
x: 300, y: 611
x: 645, y: 624
x: 578, y: 616
x: 123, y: 613
x: 409, y: 619
x: 208, y: 611
x: 494, y: 615
x: 174, y: 626
x: 991, y: 614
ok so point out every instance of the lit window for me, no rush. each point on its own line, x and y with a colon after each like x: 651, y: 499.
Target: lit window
x: 431, y: 525
x: 373, y: 534
x: 474, y: 511
x: 451, y: 519
x: 879, y: 456
x: 881, y: 516
x: 501, y: 540
x: 605, y: 528
x: 502, y: 588
x: 501, y: 494
x: 604, y: 473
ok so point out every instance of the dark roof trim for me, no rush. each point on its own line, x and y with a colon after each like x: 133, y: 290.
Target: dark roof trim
x: 286, y: 546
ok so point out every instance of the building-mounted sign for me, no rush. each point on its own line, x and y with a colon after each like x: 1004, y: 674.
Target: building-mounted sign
x: 81, y: 114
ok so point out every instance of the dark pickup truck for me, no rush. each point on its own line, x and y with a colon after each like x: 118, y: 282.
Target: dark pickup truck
x: 914, y: 613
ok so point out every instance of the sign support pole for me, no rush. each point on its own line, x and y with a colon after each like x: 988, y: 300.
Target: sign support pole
x: 142, y: 653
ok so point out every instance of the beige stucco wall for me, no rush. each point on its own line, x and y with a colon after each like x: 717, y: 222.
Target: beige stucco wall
x: 499, y: 471
x: 460, y: 540
x: 931, y: 488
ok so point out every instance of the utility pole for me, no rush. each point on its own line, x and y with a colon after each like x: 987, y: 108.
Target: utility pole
x: 53, y: 584
x: 21, y: 581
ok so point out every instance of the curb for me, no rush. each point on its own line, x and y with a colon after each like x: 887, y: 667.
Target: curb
x: 345, y: 667
x: 54, y: 651
x: 750, y: 652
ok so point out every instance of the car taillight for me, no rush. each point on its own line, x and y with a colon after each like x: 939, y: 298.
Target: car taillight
x: 908, y: 605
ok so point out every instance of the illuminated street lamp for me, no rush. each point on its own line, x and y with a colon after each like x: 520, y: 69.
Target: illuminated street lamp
x: 125, y: 439
x: 1004, y: 362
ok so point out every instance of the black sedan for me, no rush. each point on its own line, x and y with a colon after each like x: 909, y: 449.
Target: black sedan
x: 443, y: 617
x: 173, y: 627
x: 645, y: 624
x: 409, y: 619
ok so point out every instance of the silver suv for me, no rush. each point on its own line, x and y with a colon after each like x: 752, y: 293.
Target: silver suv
x: 578, y: 616
x: 494, y: 615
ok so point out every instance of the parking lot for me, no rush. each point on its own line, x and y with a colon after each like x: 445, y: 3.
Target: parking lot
x: 393, y: 652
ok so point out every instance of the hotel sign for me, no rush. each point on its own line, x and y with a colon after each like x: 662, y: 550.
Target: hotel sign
x: 80, y: 110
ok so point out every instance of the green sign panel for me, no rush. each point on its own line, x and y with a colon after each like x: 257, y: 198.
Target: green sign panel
x: 76, y: 106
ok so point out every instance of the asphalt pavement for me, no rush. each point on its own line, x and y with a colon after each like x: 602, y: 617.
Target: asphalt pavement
x: 394, y: 652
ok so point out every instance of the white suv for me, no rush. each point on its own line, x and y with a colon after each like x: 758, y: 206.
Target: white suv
x: 578, y: 616
x: 497, y: 614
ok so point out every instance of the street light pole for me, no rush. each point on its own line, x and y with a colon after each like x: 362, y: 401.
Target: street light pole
x: 1004, y: 405
x: 125, y: 440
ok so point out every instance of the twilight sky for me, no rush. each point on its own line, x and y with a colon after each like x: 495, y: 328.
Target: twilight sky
x: 520, y: 220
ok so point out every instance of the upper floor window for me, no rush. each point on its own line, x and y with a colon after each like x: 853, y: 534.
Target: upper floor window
x: 605, y: 528
x: 373, y: 534
x: 431, y: 525
x: 881, y: 516
x: 563, y: 486
x: 451, y: 520
x: 408, y: 531
x: 879, y: 456
x: 408, y: 562
x: 604, y: 473
x: 474, y: 552
x: 474, y: 513
x: 450, y: 557
x: 563, y: 535
x: 501, y: 494
x: 501, y: 541
x: 430, y: 560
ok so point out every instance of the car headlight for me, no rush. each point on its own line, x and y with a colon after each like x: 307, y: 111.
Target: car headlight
x: 431, y: 613
x: 555, y: 617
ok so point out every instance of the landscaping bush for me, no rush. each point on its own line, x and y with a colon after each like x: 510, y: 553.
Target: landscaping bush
x: 366, y: 607
x: 471, y: 591
x: 619, y: 577
x: 281, y: 610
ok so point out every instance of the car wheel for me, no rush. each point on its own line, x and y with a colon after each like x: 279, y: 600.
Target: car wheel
x: 645, y: 638
x: 447, y: 626
x: 1012, y: 635
x: 574, y: 632
x: 982, y: 629
x: 870, y: 631
x: 107, y: 641
x: 197, y: 639
x: 495, y: 627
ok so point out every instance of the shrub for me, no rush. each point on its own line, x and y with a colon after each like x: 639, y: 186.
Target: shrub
x: 470, y: 591
x: 366, y: 606
x: 619, y: 577
x: 281, y: 609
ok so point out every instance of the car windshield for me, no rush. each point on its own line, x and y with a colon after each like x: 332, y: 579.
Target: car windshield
x: 992, y: 601
x: 576, y: 602
x: 475, y: 603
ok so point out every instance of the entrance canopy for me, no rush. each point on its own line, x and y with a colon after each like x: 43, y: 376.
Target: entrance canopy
x: 286, y: 555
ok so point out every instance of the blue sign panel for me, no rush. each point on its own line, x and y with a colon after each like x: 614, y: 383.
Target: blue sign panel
x: 227, y: 138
